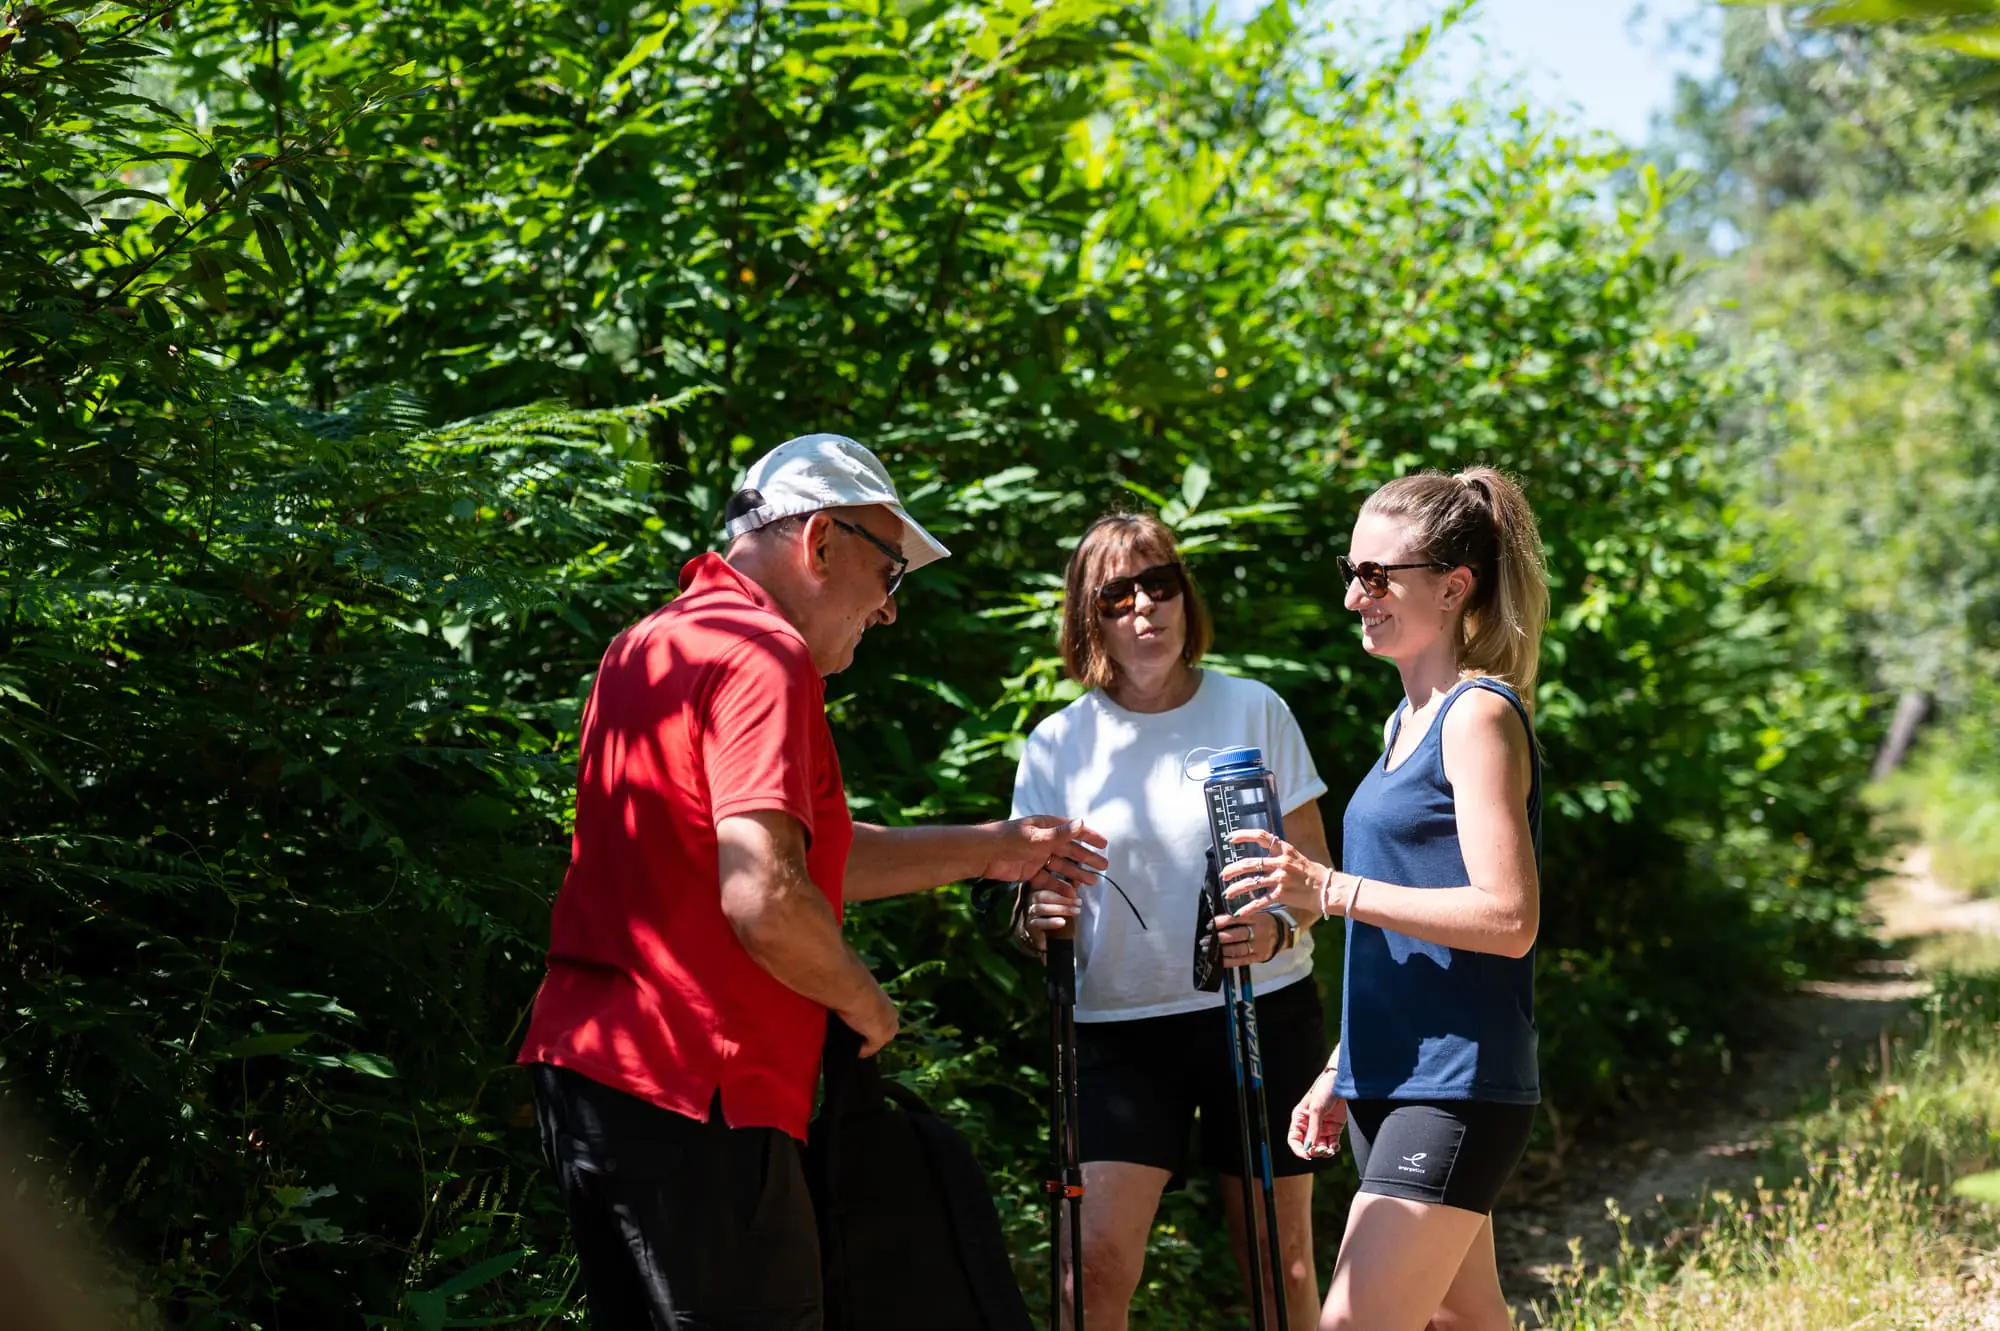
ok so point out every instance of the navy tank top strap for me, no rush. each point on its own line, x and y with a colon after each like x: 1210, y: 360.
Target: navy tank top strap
x: 1394, y: 728
x: 1430, y: 739
x: 1534, y: 746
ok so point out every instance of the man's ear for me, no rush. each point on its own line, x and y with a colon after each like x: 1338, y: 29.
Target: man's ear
x: 816, y: 547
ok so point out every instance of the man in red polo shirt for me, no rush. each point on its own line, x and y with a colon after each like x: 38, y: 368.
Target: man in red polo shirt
x: 696, y: 944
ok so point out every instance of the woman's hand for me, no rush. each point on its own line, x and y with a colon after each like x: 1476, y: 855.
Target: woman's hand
x: 1282, y: 876
x: 1318, y: 1118
x: 1246, y: 938
x: 1053, y: 905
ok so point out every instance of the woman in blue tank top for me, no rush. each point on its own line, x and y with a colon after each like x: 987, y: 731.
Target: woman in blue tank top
x: 1435, y: 1077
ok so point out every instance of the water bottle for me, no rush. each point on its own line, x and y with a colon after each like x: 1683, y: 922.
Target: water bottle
x: 1241, y: 794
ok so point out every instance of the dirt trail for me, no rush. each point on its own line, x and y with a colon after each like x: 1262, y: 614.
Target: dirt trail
x: 1916, y: 904
x: 1718, y: 1138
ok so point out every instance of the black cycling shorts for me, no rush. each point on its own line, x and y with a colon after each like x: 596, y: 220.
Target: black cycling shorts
x: 1142, y: 1084
x: 1455, y: 1153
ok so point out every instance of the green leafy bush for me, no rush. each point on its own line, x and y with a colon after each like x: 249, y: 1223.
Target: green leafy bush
x: 292, y: 671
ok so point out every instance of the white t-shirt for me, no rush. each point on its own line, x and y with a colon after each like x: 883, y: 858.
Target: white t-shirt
x: 1126, y: 774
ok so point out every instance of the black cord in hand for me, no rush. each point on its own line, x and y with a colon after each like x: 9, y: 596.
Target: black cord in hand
x: 1128, y: 901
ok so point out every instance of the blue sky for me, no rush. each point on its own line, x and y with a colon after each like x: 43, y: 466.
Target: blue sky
x: 1604, y: 63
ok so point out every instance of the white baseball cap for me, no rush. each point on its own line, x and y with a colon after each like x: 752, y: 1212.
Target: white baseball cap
x: 817, y: 471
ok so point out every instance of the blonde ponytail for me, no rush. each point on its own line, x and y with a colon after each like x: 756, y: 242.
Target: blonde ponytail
x: 1503, y: 630
x: 1481, y: 520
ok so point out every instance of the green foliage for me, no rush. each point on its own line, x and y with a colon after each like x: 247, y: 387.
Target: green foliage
x: 275, y: 904
x: 1866, y: 212
x: 1961, y: 27
x: 1983, y: 1187
x: 290, y: 671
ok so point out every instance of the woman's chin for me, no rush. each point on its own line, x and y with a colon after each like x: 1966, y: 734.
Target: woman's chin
x: 1148, y: 656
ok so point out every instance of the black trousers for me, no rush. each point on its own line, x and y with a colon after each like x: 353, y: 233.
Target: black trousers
x: 679, y: 1225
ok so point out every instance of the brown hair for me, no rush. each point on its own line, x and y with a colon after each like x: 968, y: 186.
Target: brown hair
x: 1480, y: 518
x: 1114, y: 534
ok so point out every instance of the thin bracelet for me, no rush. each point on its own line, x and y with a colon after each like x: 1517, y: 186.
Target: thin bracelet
x: 1324, y: 884
x: 1353, y: 896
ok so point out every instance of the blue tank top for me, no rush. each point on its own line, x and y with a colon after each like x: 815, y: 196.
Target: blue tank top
x: 1421, y: 1021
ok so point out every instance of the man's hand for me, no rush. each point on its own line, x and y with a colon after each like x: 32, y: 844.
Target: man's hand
x: 1027, y: 846
x: 889, y: 861
x: 874, y: 1019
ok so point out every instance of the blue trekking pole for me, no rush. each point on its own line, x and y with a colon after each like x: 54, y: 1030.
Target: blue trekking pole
x: 1248, y: 1066
x: 1241, y: 794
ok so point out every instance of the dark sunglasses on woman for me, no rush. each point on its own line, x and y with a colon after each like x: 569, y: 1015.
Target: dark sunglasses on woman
x: 1161, y: 582
x: 1375, y: 577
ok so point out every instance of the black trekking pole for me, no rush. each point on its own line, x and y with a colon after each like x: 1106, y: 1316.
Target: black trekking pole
x: 1233, y: 985
x: 1260, y: 1141
x: 1064, y: 1185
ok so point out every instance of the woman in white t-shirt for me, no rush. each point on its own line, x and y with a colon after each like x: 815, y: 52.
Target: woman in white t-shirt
x: 1152, y: 1049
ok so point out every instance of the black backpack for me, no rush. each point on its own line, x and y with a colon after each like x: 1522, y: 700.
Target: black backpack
x: 908, y: 1237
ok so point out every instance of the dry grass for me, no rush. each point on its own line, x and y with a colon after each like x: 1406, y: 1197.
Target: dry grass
x: 1864, y: 1233
x: 1954, y: 807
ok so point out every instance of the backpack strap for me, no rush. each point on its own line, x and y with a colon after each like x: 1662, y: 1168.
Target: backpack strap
x: 849, y: 1083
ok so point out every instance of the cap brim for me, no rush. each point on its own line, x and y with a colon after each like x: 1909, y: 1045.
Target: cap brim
x: 919, y: 546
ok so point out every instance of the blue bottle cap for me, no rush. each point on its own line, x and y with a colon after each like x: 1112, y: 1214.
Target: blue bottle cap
x: 1230, y: 761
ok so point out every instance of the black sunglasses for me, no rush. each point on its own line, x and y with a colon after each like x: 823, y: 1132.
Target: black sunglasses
x: 1161, y: 582
x: 897, y: 570
x: 1375, y: 577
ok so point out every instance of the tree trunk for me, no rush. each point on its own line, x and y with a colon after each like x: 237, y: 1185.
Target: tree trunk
x: 1911, y: 709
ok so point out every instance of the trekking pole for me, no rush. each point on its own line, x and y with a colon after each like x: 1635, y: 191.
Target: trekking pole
x: 1064, y: 1185
x: 1260, y: 1136
x: 1233, y: 1003
x: 1241, y: 795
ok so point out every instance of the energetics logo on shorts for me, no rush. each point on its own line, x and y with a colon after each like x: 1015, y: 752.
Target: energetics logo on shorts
x: 1413, y: 1164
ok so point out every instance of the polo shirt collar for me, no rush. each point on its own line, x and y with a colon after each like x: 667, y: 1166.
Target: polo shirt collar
x: 711, y: 574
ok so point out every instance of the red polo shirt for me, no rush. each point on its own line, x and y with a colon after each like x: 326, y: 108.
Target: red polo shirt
x: 706, y: 708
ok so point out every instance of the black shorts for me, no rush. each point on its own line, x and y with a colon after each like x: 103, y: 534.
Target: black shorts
x: 1141, y: 1084
x: 678, y: 1223
x: 1455, y: 1153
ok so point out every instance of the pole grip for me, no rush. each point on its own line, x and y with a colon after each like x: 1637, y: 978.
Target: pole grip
x: 1059, y: 970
